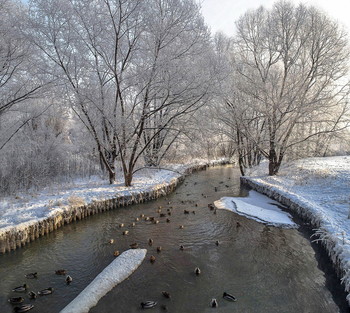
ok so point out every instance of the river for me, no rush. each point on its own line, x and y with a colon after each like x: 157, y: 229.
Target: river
x: 267, y: 269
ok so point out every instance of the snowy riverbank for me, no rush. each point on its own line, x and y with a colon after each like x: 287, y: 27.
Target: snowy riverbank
x: 319, y: 190
x: 25, y: 218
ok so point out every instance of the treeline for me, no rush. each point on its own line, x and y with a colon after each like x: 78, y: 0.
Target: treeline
x: 107, y: 87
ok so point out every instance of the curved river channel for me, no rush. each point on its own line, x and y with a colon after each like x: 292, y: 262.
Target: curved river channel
x: 268, y: 269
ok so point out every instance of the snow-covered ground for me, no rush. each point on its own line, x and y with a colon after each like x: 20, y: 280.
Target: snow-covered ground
x: 259, y: 208
x: 26, y: 209
x: 120, y: 269
x: 322, y: 187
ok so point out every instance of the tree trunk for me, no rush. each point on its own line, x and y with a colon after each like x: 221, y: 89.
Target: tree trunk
x: 127, y: 178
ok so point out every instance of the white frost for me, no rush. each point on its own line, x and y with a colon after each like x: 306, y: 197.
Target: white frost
x: 259, y: 208
x: 120, y: 269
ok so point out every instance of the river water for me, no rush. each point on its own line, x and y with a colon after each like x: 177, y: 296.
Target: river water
x: 267, y: 269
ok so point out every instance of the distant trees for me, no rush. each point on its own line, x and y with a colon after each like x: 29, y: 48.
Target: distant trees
x: 289, y: 67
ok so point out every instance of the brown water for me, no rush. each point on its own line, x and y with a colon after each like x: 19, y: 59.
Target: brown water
x: 267, y: 269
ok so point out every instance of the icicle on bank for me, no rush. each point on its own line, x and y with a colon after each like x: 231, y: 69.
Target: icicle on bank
x: 120, y: 269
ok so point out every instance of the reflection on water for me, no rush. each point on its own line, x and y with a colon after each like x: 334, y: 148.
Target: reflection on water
x: 266, y: 268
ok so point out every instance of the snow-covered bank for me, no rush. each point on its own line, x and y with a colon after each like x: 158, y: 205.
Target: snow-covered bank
x: 25, y: 219
x: 259, y: 208
x: 120, y: 269
x: 318, y: 189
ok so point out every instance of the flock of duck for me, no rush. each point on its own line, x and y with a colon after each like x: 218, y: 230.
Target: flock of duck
x: 21, y: 307
x: 18, y: 301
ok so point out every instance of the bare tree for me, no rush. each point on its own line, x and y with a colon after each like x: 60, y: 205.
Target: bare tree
x: 291, y: 66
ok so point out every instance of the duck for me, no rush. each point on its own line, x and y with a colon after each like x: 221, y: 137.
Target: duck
x: 152, y: 259
x: 134, y: 245
x: 142, y: 215
x: 125, y: 232
x: 155, y: 222
x: 217, y: 242
x: 148, y: 304
x: 197, y: 271
x: 238, y: 224
x: 116, y: 253
x: 162, y: 215
x: 46, y: 291
x: 166, y: 294
x: 159, y: 210
x: 186, y: 212
x: 32, y: 275
x: 121, y: 225
x: 214, y: 303
x: 31, y: 295
x: 20, y: 288
x: 147, y: 218
x: 60, y: 272
x: 168, y: 220
x: 193, y: 212
x: 216, y: 189
x: 181, y: 226
x: 111, y: 241
x: 16, y: 300
x: 69, y: 279
x: 23, y: 308
x: 150, y: 242
x: 229, y: 297
x: 196, y: 205
x: 132, y: 224
x: 214, y: 211
x: 182, y: 248
x: 159, y: 249
x: 137, y: 219
x: 151, y: 218
x: 211, y: 206
x: 169, y: 213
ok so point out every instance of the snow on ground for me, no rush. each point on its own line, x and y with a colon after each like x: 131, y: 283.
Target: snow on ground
x: 120, y: 269
x: 27, y: 209
x: 259, y: 208
x: 322, y: 187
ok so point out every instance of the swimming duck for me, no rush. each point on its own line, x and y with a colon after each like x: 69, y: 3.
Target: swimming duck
x: 181, y: 226
x: 186, y: 212
x: 142, y: 215
x: 168, y: 220
x: 197, y: 271
x: 238, y: 224
x: 16, y: 300
x: 31, y: 295
x: 121, y: 225
x: 148, y: 304
x: 111, y: 241
x: 152, y: 218
x: 193, y: 212
x: 166, y: 294
x: 23, y: 308
x: 125, y: 232
x: 217, y: 242
x: 196, y: 204
x: 155, y: 222
x: 20, y: 288
x: 134, y: 245
x: 137, y: 219
x: 46, y: 291
x: 60, y: 272
x: 169, y: 213
x: 182, y: 247
x: 147, y: 218
x: 229, y: 297
x: 132, y: 224
x: 162, y: 215
x: 214, y: 303
x: 32, y: 275
x: 69, y: 279
x: 116, y: 253
x: 152, y: 259
x: 211, y: 206
x: 159, y: 249
x: 150, y: 242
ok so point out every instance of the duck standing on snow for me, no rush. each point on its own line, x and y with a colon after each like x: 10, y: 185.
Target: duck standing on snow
x: 148, y: 304
x: 20, y: 288
x: 229, y: 297
x: 46, y: 291
x: 23, y: 308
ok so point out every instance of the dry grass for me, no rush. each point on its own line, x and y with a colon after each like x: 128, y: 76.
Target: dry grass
x: 74, y: 200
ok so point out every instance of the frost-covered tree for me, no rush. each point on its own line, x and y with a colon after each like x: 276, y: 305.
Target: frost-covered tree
x: 290, y: 66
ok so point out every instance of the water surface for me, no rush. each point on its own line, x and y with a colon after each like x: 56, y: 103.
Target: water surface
x: 266, y: 268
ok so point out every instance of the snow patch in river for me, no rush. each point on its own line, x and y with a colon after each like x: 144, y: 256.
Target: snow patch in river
x: 259, y: 208
x: 120, y: 269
